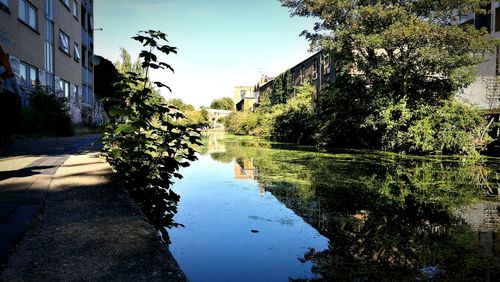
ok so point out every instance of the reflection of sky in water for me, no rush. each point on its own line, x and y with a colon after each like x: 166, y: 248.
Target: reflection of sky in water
x: 220, y: 212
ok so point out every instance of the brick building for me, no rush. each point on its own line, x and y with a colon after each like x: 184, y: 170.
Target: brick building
x: 50, y: 42
x: 316, y: 70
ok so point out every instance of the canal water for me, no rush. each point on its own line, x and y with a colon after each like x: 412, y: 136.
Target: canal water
x: 253, y: 210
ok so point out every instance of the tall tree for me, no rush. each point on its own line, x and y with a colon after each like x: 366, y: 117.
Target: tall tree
x: 125, y: 65
x: 391, y: 52
x: 225, y: 103
x: 178, y: 103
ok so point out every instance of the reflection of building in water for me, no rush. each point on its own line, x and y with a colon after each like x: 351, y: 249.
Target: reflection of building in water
x: 244, y: 169
x: 262, y: 190
x: 485, y: 219
x: 214, y: 144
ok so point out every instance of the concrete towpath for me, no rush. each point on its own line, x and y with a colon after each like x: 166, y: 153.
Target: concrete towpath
x: 80, y: 224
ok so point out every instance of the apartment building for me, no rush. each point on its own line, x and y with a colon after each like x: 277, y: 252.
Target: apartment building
x: 244, y: 97
x: 485, y: 91
x: 50, y: 42
x: 316, y: 70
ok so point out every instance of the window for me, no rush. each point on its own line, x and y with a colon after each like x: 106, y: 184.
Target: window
x: 63, y: 87
x: 76, y: 52
x: 243, y: 93
x: 49, y: 57
x: 74, y: 92
x: 33, y: 76
x: 74, y: 9
x: 84, y: 58
x: 28, y: 74
x: 483, y: 21
x: 497, y: 66
x: 4, y: 3
x: 326, y: 64
x: 66, y: 3
x: 315, y: 70
x: 497, y: 19
x: 49, y: 9
x: 64, y: 42
x: 28, y: 14
x: 23, y: 73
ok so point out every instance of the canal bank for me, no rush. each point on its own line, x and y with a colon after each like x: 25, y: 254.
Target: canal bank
x: 89, y: 229
x: 253, y: 209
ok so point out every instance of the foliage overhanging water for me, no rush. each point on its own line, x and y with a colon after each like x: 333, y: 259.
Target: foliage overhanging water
x: 255, y: 210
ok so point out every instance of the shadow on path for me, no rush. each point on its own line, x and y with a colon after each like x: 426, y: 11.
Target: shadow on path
x: 91, y: 230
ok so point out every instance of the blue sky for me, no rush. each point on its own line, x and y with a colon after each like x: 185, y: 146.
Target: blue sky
x: 222, y: 43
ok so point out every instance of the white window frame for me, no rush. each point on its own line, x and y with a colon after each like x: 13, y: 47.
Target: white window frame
x: 27, y: 13
x: 65, y: 88
x: 326, y: 64
x: 49, y: 9
x: 76, y: 51
x: 74, y: 9
x: 64, y: 42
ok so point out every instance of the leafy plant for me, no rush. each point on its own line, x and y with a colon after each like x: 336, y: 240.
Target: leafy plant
x: 387, y: 54
x: 46, y: 115
x: 287, y: 119
x: 143, y: 143
x: 295, y: 121
x: 225, y: 103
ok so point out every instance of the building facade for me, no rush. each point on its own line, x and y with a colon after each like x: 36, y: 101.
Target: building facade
x: 244, y: 97
x: 316, y: 70
x: 485, y: 91
x: 50, y: 43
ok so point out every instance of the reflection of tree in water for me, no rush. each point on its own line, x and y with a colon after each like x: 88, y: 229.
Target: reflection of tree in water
x: 387, y: 217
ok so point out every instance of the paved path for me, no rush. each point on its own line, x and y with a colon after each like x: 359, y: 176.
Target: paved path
x: 26, y: 171
x: 81, y: 226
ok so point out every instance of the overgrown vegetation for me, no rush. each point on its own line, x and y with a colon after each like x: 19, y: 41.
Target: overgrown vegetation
x: 195, y: 118
x: 225, y: 103
x: 143, y: 143
x: 46, y: 115
x: 398, y: 66
x: 388, y: 217
x: 290, y: 121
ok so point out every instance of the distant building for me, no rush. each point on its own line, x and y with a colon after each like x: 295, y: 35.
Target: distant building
x: 317, y: 70
x: 485, y: 91
x: 244, y: 97
x: 244, y: 169
x: 50, y: 42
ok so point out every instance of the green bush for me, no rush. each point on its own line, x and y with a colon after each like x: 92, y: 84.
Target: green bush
x: 294, y: 122
x: 287, y: 122
x: 47, y: 115
x: 451, y: 128
x: 242, y: 123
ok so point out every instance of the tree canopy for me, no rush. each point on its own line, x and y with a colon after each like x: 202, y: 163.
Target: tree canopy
x: 392, y: 54
x: 225, y: 103
x: 178, y: 103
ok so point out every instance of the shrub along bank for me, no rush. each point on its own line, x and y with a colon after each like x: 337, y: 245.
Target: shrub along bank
x: 398, y: 66
x: 450, y: 127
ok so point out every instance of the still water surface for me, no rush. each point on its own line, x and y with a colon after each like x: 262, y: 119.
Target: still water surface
x: 258, y: 211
